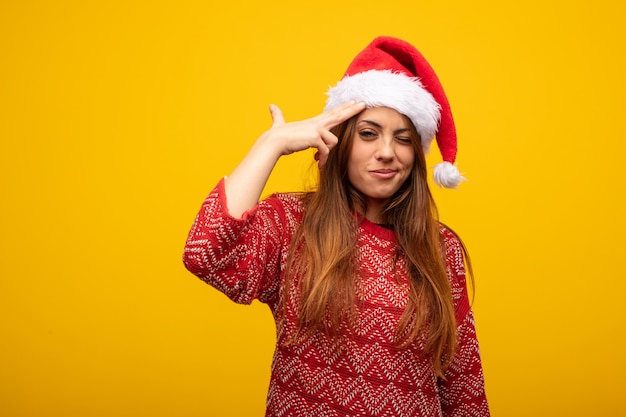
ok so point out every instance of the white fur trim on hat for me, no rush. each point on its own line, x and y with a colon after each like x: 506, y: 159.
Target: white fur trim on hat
x: 385, y: 88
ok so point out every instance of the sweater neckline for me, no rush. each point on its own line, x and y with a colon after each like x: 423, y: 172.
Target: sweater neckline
x: 377, y: 230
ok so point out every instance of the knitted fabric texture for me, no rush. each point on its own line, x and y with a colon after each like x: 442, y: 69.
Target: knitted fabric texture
x: 362, y: 374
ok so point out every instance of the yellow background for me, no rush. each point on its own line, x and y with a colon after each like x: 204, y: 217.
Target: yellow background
x: 118, y: 117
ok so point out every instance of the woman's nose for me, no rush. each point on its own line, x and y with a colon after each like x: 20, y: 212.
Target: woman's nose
x: 385, y: 150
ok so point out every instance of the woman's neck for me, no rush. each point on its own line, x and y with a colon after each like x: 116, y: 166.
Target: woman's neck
x: 374, y: 211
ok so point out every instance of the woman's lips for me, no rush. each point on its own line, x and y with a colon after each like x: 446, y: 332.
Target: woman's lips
x: 384, y: 173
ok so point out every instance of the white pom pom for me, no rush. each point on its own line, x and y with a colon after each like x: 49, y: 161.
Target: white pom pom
x: 447, y: 175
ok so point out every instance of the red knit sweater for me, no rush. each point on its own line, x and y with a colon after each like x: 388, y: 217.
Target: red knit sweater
x: 364, y: 374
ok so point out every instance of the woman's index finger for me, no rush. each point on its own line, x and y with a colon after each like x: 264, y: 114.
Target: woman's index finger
x: 344, y: 112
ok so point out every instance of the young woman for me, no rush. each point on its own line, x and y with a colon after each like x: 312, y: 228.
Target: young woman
x: 367, y: 288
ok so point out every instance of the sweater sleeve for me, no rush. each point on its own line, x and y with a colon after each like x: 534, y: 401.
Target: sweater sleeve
x: 462, y: 392
x: 239, y: 257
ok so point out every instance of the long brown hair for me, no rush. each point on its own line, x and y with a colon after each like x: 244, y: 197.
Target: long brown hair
x: 322, y: 259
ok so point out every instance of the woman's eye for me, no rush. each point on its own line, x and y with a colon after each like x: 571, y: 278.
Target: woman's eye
x: 403, y: 139
x: 367, y: 134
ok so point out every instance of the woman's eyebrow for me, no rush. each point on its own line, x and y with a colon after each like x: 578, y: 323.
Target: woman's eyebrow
x: 378, y: 125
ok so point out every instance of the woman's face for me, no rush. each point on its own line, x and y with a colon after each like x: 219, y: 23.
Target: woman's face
x: 382, y: 154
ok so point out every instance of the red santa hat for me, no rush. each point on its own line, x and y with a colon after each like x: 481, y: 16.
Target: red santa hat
x: 392, y: 73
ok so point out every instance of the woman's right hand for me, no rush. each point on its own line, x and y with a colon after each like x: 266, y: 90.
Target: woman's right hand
x: 245, y: 184
x: 309, y: 133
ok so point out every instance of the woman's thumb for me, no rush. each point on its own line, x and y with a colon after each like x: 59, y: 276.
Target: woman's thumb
x: 277, y: 115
